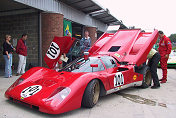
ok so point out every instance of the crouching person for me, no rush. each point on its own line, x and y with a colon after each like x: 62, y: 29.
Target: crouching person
x: 154, y: 58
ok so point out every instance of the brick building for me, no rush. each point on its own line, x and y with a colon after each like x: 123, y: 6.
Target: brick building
x: 43, y: 19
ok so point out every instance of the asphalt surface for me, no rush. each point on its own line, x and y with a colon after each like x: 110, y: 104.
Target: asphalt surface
x: 128, y: 103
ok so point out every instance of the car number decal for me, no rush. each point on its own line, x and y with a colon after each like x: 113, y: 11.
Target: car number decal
x: 29, y: 91
x: 118, y: 79
x: 53, y: 51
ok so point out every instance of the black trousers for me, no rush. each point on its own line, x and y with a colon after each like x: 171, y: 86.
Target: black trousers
x: 153, y: 64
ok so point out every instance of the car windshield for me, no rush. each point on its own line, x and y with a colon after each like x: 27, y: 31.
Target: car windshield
x: 82, y: 65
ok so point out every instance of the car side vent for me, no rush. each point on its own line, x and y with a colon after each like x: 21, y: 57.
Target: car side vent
x: 114, y: 49
x: 123, y: 69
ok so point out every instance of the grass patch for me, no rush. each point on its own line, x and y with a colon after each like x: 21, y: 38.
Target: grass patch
x: 174, y: 48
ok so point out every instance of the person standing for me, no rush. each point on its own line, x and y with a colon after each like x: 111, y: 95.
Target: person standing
x: 7, y: 54
x: 21, y: 50
x: 154, y: 58
x: 164, y: 49
x: 85, y: 43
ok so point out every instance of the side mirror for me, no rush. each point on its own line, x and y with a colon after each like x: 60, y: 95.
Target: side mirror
x: 94, y: 65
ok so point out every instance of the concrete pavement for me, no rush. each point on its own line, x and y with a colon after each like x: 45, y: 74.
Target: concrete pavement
x: 128, y: 103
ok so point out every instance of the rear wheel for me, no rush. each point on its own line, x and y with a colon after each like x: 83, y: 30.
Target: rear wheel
x: 145, y: 70
x: 146, y: 77
x: 91, y: 94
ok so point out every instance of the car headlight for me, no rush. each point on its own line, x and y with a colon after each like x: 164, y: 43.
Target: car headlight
x: 16, y: 83
x: 64, y: 93
x: 58, y: 95
x: 19, y: 81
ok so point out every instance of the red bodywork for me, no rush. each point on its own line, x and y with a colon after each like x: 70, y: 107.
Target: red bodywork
x: 58, y: 46
x: 43, y: 88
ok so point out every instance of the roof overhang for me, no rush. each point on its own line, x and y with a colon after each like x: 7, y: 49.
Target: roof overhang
x: 86, y: 6
x: 95, y: 10
x: 10, y: 7
x: 86, y: 12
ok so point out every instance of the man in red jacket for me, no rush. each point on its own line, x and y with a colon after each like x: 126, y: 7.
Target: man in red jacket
x: 164, y: 49
x: 21, y: 50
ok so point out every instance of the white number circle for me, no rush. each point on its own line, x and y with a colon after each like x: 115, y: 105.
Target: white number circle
x: 118, y: 79
x: 31, y: 90
x: 53, y: 51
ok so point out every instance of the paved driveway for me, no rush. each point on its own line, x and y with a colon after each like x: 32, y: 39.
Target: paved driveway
x: 128, y: 103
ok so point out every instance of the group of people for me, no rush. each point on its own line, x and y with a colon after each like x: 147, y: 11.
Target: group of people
x: 78, y: 48
x: 8, y: 50
x: 162, y: 55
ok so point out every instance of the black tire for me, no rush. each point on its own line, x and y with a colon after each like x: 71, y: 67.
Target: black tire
x: 91, y: 94
x: 147, y: 78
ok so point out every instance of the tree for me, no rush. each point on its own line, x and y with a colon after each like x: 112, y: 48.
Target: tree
x: 173, y: 37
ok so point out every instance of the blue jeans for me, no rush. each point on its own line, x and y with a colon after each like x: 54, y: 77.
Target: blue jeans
x: 8, y: 65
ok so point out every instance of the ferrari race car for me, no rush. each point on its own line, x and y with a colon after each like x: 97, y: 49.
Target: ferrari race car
x: 114, y: 62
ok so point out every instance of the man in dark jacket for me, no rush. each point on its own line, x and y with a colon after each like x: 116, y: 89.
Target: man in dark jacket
x: 21, y: 50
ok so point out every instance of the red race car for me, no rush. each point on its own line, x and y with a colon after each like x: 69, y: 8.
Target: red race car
x: 114, y: 62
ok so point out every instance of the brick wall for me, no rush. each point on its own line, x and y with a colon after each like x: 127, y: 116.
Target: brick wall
x: 16, y: 25
x: 52, y: 25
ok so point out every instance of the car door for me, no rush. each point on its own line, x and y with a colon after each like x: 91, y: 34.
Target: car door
x: 111, y: 69
x: 115, y: 75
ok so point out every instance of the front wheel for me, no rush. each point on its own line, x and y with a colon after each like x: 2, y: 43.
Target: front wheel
x: 91, y: 94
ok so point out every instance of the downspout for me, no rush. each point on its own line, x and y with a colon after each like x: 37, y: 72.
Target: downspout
x: 40, y: 39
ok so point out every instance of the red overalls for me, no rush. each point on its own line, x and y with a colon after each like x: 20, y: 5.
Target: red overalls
x: 165, y: 47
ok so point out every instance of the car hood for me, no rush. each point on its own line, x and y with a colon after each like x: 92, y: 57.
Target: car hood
x: 130, y: 46
x: 44, y: 80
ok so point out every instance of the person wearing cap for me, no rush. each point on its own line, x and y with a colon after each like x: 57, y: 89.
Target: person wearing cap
x: 164, y: 49
x: 154, y: 58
